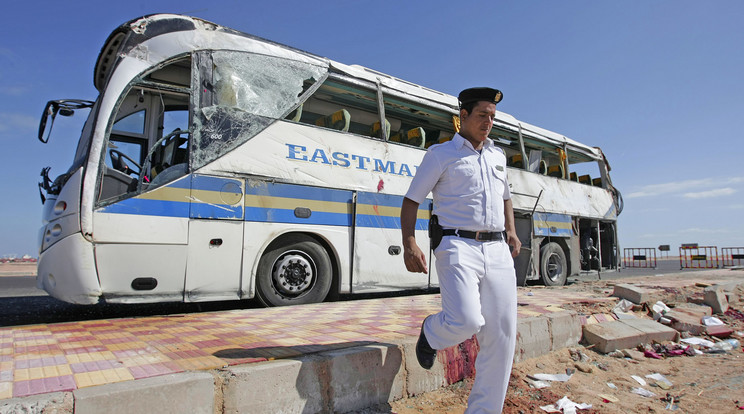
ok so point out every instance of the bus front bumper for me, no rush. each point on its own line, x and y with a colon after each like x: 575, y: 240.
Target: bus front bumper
x: 67, y: 271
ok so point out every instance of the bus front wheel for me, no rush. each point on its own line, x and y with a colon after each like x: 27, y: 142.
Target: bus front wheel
x: 553, y: 266
x: 294, y: 271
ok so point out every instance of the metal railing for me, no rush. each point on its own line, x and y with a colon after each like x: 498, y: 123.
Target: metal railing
x: 732, y: 256
x: 698, y: 257
x: 639, y: 257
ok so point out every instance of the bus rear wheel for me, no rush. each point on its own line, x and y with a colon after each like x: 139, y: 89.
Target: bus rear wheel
x: 553, y: 266
x: 293, y: 271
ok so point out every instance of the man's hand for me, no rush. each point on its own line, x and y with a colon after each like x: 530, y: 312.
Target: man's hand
x: 414, y: 258
x: 513, y: 241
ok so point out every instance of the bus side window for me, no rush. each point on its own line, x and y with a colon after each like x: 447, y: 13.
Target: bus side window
x: 343, y: 107
x: 155, y: 105
x: 416, y: 125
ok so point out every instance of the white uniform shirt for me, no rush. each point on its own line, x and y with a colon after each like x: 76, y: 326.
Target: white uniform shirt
x: 469, y: 188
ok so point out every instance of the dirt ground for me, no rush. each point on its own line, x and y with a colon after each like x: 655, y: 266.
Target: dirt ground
x: 707, y: 383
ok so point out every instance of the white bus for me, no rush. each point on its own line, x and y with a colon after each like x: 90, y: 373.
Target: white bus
x: 215, y: 165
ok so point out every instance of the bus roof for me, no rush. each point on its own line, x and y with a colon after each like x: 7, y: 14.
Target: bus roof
x: 129, y: 35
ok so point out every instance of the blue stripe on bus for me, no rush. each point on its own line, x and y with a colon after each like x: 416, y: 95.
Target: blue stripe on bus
x: 275, y: 215
x: 299, y: 192
x: 379, y: 199
x: 216, y: 211
x: 149, y: 208
x: 386, y: 222
x: 208, y: 183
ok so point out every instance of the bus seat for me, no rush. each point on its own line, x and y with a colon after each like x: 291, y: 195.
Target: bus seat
x: 295, y: 115
x: 416, y: 137
x: 556, y: 171
x: 338, y: 120
x: 585, y: 179
x: 374, y: 130
x: 444, y: 138
x: 543, y: 169
x: 597, y: 182
x: 574, y: 177
x: 515, y: 161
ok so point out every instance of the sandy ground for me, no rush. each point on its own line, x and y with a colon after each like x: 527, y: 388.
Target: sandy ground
x: 17, y: 269
x: 707, y: 383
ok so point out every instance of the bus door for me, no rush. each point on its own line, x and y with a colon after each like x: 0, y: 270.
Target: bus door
x: 378, y: 250
x: 140, y: 224
x: 215, y: 239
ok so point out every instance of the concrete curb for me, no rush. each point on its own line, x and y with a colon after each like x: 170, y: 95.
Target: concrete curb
x: 334, y: 381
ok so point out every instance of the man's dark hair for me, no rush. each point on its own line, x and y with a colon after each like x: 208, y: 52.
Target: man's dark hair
x: 468, y: 106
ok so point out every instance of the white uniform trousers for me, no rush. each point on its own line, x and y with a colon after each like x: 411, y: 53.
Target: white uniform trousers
x: 479, y: 296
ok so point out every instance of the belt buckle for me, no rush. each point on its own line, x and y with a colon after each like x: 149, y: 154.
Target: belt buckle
x: 478, y: 236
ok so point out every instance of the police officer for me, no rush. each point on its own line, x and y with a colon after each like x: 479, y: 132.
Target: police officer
x: 472, y: 202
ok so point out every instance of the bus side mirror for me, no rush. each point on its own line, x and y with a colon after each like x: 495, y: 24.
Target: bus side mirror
x: 64, y: 107
x: 47, y: 120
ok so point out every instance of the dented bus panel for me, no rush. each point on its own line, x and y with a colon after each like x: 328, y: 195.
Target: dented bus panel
x: 216, y: 165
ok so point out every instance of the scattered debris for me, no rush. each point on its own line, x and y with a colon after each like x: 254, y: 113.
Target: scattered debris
x: 671, y: 401
x: 565, y: 406
x: 660, y: 381
x: 643, y: 392
x: 608, y: 398
x: 550, y: 377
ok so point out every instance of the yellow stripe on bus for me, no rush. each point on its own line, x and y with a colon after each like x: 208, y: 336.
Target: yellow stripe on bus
x: 292, y: 203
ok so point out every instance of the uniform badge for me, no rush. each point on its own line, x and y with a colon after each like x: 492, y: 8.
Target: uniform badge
x: 500, y: 168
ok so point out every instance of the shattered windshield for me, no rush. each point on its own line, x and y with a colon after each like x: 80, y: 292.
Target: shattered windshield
x: 249, y: 92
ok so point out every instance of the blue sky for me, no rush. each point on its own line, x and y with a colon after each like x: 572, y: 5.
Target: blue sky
x: 658, y: 85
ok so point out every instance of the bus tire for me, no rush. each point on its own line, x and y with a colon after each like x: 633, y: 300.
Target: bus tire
x: 553, y: 265
x: 296, y: 270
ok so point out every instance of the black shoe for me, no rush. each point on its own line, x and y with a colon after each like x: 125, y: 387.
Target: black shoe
x: 424, y: 352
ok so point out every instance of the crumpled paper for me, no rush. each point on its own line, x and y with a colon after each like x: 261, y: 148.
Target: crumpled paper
x: 565, y: 406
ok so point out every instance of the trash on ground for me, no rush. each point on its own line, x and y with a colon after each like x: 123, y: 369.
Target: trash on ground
x: 611, y: 385
x: 659, y: 309
x: 537, y: 384
x: 623, y: 306
x: 712, y: 321
x: 698, y: 341
x: 608, y: 398
x: 660, y: 379
x: 671, y: 401
x: 550, y: 377
x: 639, y: 379
x: 643, y: 392
x: 565, y: 406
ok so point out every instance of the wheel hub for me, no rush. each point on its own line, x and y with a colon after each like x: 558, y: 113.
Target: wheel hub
x: 293, y: 274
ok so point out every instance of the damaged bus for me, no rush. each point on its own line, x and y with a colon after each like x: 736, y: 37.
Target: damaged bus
x: 216, y: 165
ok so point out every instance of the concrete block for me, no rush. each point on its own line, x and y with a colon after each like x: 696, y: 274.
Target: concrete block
x: 688, y: 318
x: 715, y: 297
x: 632, y: 293
x: 282, y: 386
x: 191, y: 392
x: 653, y: 330
x: 565, y: 329
x: 533, y: 338
x: 419, y: 380
x: 719, y: 331
x: 56, y: 402
x: 364, y: 376
x: 621, y: 334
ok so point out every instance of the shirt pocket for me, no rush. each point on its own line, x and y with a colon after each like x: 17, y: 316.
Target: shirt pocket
x: 499, y: 180
x: 465, y: 179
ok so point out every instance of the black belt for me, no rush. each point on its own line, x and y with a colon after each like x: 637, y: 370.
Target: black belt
x: 482, y: 236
